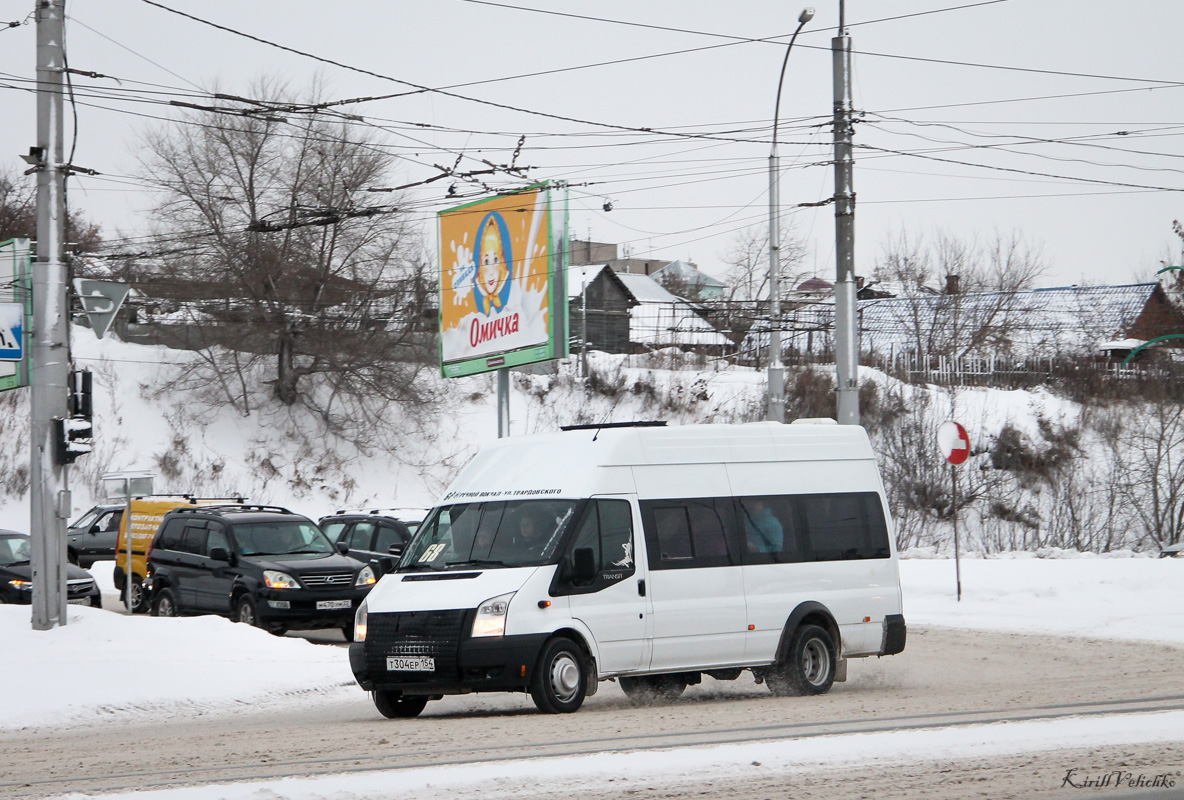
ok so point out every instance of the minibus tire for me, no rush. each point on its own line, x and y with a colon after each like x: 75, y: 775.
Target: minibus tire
x: 560, y: 680
x: 395, y: 705
x: 809, y: 665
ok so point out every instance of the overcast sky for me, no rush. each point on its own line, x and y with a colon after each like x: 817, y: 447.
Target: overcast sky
x: 957, y: 108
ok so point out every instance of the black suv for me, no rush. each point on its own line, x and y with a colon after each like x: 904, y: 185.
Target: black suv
x: 374, y: 534
x: 262, y: 565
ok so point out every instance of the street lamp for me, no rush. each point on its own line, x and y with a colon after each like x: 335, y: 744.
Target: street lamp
x: 775, y: 409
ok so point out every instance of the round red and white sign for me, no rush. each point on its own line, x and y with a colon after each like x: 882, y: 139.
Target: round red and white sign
x: 953, y: 442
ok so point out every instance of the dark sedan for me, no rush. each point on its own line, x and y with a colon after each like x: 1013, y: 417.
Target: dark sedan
x: 16, y: 575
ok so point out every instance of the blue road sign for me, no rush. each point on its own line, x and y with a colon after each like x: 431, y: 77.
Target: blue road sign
x: 12, y: 323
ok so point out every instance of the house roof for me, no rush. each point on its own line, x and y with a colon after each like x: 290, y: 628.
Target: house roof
x: 1036, y: 320
x: 690, y: 275
x: 645, y: 289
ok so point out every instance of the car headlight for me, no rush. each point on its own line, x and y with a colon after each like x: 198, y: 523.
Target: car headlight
x: 366, y: 577
x: 360, y: 622
x: 22, y: 586
x: 491, y: 616
x: 279, y: 580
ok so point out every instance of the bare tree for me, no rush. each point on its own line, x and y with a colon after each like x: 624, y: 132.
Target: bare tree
x: 18, y: 215
x: 300, y: 280
x: 747, y: 260
x: 962, y: 295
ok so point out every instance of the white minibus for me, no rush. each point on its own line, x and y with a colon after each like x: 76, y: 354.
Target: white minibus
x: 640, y: 553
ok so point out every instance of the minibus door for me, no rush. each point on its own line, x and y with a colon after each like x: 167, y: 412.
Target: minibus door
x: 607, y: 590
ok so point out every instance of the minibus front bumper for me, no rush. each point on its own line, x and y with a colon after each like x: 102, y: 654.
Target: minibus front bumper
x: 459, y: 663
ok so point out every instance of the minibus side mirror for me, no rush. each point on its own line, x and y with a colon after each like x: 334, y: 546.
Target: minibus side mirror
x: 219, y: 554
x: 583, y: 566
x: 385, y: 565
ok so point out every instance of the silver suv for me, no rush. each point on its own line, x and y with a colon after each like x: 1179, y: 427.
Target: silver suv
x: 92, y: 536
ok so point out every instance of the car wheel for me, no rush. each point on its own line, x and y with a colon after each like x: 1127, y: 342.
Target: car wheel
x: 134, y: 597
x: 245, y: 612
x: 164, y: 604
x: 394, y: 705
x: 560, y: 681
x: 72, y: 557
x: 809, y: 666
x: 347, y: 631
x: 96, y: 601
x: 647, y: 689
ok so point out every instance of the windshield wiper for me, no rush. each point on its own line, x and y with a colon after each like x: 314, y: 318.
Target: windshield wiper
x: 302, y: 552
x: 476, y: 562
x: 15, y: 563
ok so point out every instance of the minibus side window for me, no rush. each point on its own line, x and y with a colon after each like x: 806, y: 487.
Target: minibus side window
x: 769, y: 530
x: 846, y: 526
x: 674, y: 534
x: 684, y: 534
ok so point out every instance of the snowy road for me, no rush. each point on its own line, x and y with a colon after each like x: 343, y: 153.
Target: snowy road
x: 953, y: 686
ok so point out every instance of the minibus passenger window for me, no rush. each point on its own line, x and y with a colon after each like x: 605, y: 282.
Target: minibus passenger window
x: 674, y: 533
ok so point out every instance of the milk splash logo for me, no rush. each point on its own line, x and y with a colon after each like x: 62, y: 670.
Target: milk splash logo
x: 495, y: 264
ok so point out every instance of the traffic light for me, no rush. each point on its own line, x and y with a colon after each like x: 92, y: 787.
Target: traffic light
x: 75, y: 434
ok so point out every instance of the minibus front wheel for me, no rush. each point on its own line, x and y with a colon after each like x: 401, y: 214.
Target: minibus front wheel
x: 396, y: 705
x: 808, y: 666
x: 560, y: 680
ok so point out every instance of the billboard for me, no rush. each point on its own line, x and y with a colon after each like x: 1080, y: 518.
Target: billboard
x: 15, y: 273
x: 502, y: 298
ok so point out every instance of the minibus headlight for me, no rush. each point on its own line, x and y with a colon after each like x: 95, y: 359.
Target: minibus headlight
x: 360, y: 622
x: 366, y: 577
x: 491, y: 616
x: 279, y: 580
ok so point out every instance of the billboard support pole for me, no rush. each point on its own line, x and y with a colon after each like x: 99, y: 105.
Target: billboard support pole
x: 49, y: 495
x: 503, y: 402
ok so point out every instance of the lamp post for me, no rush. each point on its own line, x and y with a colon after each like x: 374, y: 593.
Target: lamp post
x: 775, y: 409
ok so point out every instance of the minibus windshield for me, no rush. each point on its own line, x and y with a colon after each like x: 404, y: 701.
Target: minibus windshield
x: 520, y: 533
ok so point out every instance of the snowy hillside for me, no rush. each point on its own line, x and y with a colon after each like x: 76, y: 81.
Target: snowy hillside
x: 1044, y: 471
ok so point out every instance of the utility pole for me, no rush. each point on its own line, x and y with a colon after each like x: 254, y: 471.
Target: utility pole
x: 846, y: 321
x: 50, y: 496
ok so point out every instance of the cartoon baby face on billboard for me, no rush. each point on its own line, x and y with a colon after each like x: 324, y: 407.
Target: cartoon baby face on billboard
x: 495, y: 259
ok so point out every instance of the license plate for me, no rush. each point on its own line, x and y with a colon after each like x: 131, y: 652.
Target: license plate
x: 79, y: 601
x: 325, y: 605
x: 411, y: 663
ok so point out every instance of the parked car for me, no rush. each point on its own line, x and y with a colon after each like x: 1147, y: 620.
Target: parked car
x: 1173, y: 551
x: 374, y: 534
x: 262, y: 565
x: 92, y: 536
x: 16, y: 575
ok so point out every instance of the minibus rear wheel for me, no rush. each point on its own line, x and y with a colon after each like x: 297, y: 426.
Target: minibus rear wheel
x: 560, y: 680
x: 395, y: 705
x: 809, y: 665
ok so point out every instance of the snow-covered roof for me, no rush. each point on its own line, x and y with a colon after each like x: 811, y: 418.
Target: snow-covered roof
x: 1036, y: 320
x: 690, y: 275
x: 645, y: 289
x: 674, y: 323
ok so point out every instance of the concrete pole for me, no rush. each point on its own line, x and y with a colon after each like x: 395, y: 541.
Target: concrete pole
x: 775, y: 409
x: 846, y: 319
x: 50, y: 497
